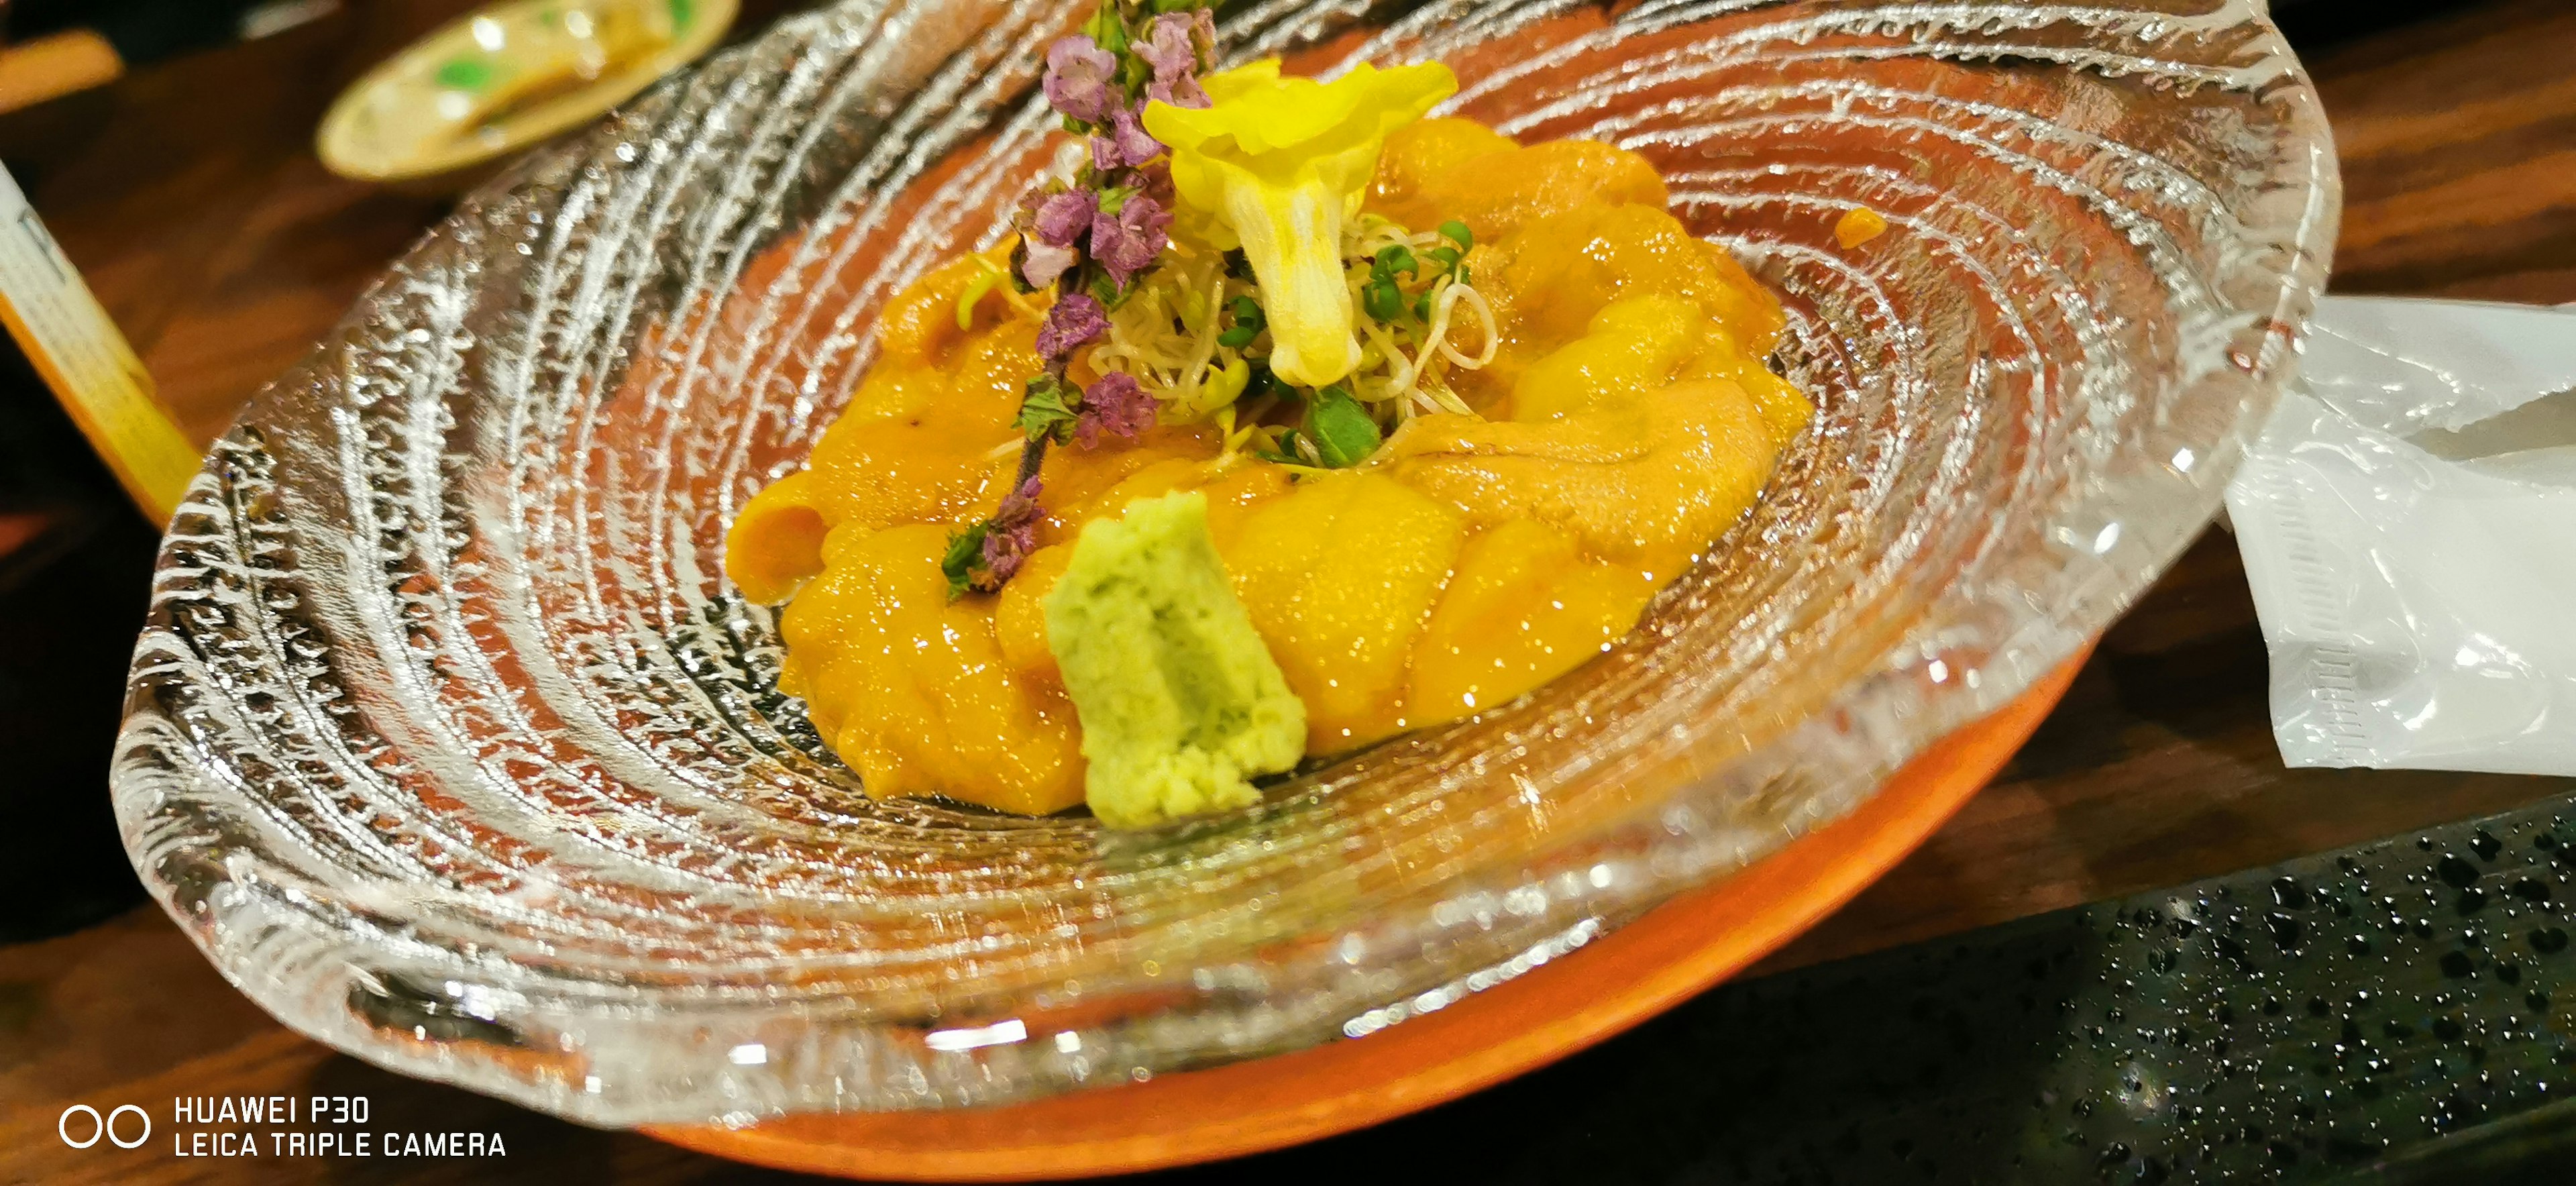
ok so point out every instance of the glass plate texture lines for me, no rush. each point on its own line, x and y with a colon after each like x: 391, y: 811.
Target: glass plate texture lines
x: 452, y: 747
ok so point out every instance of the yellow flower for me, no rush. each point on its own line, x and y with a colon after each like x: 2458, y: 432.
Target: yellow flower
x: 1274, y: 165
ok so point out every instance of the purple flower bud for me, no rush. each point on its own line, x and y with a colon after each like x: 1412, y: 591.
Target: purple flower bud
x: 1012, y: 533
x: 1126, y: 145
x: 1170, y: 46
x: 1116, y: 405
x: 1061, y: 219
x: 1126, y: 243
x: 1077, y: 318
x: 1154, y: 180
x: 1078, y: 74
x: 1041, y: 264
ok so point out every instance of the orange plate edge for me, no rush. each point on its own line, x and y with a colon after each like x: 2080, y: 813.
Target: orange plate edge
x: 1671, y: 953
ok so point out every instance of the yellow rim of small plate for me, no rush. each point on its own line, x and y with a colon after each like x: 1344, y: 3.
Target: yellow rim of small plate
x: 335, y: 142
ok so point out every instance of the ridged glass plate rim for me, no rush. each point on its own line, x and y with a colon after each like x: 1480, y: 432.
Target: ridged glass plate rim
x: 2109, y: 546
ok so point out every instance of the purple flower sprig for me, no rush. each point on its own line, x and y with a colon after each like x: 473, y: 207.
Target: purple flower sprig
x: 1091, y: 237
x: 1118, y: 209
x: 1115, y: 405
x: 986, y: 554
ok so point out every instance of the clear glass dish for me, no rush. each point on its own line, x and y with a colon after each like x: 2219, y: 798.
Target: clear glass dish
x: 451, y: 746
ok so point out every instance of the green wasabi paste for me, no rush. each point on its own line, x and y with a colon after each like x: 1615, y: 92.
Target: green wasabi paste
x: 1181, y: 704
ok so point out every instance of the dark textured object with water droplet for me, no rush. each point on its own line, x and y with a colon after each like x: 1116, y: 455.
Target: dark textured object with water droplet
x: 2276, y: 1040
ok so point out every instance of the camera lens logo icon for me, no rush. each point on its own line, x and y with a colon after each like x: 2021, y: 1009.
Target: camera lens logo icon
x: 101, y: 1127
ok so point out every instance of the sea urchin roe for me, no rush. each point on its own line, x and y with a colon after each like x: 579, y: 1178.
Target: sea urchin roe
x: 1624, y: 420
x: 1859, y: 225
x: 912, y: 691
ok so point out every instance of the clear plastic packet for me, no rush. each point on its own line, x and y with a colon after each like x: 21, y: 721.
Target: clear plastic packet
x: 2408, y: 523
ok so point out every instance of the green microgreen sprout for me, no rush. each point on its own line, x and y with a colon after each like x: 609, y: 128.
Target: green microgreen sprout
x: 1342, y: 431
x: 1249, y: 321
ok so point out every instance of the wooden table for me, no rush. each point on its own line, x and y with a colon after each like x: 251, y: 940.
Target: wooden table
x: 190, y: 197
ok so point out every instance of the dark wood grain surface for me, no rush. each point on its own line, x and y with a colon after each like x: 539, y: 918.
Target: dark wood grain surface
x: 190, y: 197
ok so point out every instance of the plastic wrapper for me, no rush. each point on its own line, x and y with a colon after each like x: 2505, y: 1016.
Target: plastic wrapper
x: 2408, y: 523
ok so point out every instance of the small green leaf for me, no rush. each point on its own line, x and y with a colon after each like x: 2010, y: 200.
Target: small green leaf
x: 1394, y: 258
x: 1249, y: 321
x: 1422, y: 307
x: 1457, y: 232
x: 1385, y: 302
x: 1343, y: 432
x: 1108, y: 30
x: 964, y: 558
x: 1047, y: 408
x: 1446, y: 256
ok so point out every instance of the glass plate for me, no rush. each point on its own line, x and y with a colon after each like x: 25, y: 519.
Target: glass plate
x: 450, y: 744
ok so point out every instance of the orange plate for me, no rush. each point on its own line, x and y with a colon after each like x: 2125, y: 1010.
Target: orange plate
x: 1637, y: 971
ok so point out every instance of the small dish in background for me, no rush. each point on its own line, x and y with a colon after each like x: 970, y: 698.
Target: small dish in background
x: 510, y: 76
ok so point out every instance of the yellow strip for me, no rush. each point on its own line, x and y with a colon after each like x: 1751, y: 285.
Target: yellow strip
x: 78, y: 350
x: 55, y: 65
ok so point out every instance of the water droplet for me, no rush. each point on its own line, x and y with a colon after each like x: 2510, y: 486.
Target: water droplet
x: 2286, y: 931
x: 2531, y: 889
x: 2487, y: 845
x: 2549, y: 940
x: 2456, y: 964
x: 2289, y: 894
x: 2472, y: 900
x: 2456, y: 870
